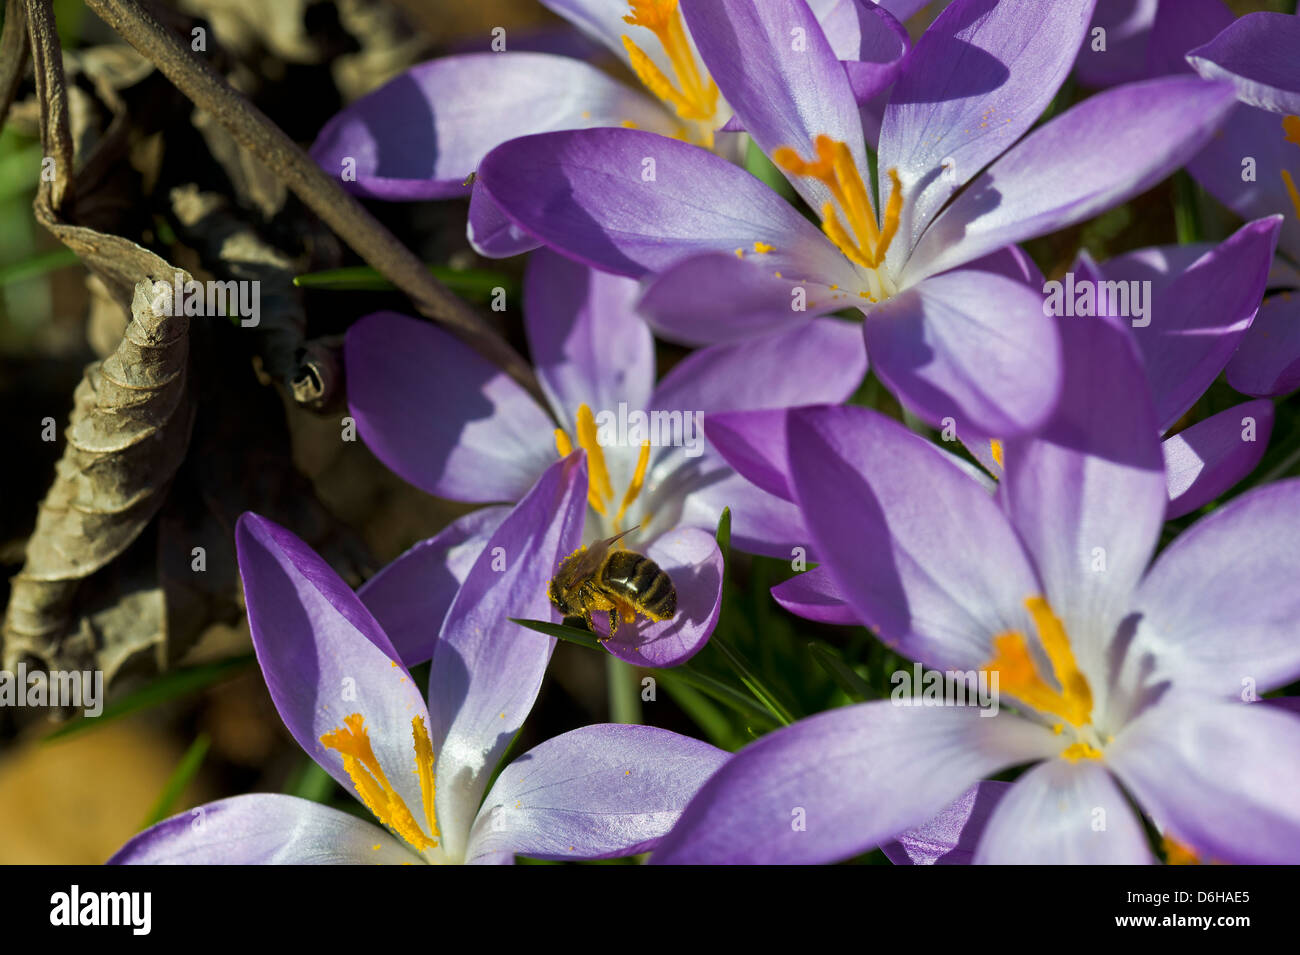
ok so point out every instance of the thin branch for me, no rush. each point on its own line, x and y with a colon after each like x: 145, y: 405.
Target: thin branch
x: 318, y: 191
x: 56, y: 130
x: 13, y: 54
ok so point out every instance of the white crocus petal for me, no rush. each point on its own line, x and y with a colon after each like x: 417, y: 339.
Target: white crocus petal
x: 1064, y: 812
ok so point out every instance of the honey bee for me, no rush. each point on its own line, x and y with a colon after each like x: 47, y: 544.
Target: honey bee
x: 613, y: 580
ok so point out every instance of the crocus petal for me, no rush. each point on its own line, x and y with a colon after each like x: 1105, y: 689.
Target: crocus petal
x: 951, y: 836
x: 1222, y: 777
x: 420, y: 135
x: 786, y: 93
x: 1220, y: 606
x: 692, y: 561
x: 761, y: 523
x: 1180, y: 27
x: 1203, y: 461
x: 442, y: 416
x: 486, y: 671
x: 324, y: 656
x: 490, y: 230
x: 1012, y: 262
x: 629, y: 202
x: 587, y: 342
x: 1051, y: 816
x: 972, y: 347
x: 411, y: 595
x: 869, y: 41
x: 604, y: 21
x: 820, y: 362
x: 1290, y: 704
x: 902, y: 10
x: 1123, y: 58
x: 1195, y: 318
x: 1242, y: 164
x: 264, y: 829
x: 1101, y: 152
x: 593, y: 793
x: 1087, y: 494
x: 916, y: 548
x: 1242, y: 167
x: 753, y: 442
x: 717, y: 297
x: 978, y: 78
x: 812, y: 595
x: 836, y: 784
x: 1257, y: 54
x: 1268, y: 361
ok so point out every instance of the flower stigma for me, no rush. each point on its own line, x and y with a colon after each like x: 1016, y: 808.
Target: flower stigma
x: 695, y: 97
x: 600, y: 490
x: 866, y: 247
x: 1019, y: 675
x: 352, y: 742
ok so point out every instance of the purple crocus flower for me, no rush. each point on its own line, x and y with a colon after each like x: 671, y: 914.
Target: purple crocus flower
x: 1199, y: 304
x: 421, y: 135
x: 1117, y: 54
x: 1252, y: 165
x: 454, y: 425
x: 1197, y: 309
x: 345, y: 696
x: 731, y: 259
x: 1110, y: 672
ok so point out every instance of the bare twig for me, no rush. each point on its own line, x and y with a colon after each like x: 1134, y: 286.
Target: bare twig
x: 56, y: 131
x: 13, y: 54
x: 320, y: 192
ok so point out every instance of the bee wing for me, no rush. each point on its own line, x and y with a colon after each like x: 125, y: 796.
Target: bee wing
x: 586, y: 563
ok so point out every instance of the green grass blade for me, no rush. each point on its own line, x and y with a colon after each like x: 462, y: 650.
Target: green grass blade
x: 181, y: 777
x: 711, y: 720
x: 167, y: 687
x: 471, y: 283
x: 37, y: 265
x: 715, y: 688
x: 755, y: 684
x: 854, y: 687
x: 584, y: 638
x: 723, y: 536
x: 311, y: 782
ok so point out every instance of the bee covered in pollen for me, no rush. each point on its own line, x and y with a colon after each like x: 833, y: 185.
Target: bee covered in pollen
x: 607, y: 577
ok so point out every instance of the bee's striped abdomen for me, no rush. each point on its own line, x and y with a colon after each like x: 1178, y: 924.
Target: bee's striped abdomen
x: 638, y: 580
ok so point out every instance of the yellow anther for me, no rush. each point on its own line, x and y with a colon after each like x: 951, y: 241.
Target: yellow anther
x: 352, y: 742
x: 1052, y: 635
x: 562, y: 443
x: 1291, y: 191
x: 862, y: 242
x: 424, y: 759
x: 1018, y: 673
x: 598, y: 487
x: 762, y: 248
x: 1291, y: 129
x: 996, y: 448
x: 740, y: 253
x: 1077, y: 751
x: 633, y: 489
x: 835, y: 232
x: 893, y: 215
x: 1178, y: 854
x: 695, y: 97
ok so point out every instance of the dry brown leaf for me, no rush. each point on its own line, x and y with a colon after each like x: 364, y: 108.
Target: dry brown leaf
x: 128, y: 432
